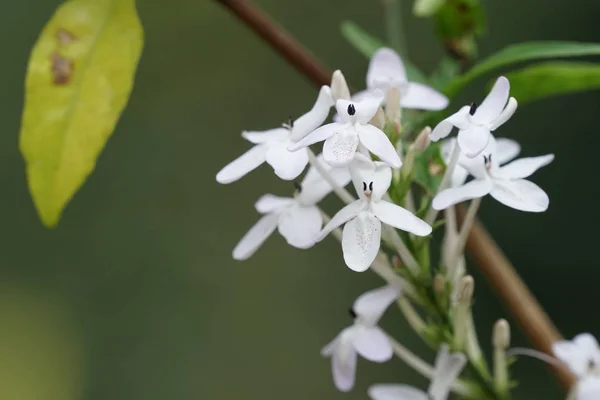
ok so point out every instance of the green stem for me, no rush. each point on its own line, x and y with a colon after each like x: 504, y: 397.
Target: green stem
x: 393, y: 24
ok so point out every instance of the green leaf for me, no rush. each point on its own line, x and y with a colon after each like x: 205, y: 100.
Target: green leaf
x: 523, y: 52
x: 447, y: 70
x: 553, y: 78
x: 79, y: 78
x: 429, y: 168
x: 367, y: 45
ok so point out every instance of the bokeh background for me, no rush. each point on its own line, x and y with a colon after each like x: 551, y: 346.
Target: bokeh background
x: 135, y: 294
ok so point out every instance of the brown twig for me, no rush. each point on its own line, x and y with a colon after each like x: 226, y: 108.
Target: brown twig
x: 494, y: 264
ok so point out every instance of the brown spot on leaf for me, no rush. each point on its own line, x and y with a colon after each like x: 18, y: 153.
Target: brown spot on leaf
x: 435, y: 169
x: 64, y: 37
x: 62, y: 69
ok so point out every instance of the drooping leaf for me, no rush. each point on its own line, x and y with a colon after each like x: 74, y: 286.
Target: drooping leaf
x: 367, y: 45
x: 523, y: 52
x: 79, y: 78
x: 553, y: 78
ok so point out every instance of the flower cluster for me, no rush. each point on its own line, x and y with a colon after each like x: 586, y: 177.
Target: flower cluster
x: 384, y: 230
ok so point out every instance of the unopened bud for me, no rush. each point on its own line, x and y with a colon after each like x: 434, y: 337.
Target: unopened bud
x: 464, y: 295
x: 392, y: 105
x: 378, y: 119
x: 339, y: 87
x: 501, y: 334
x: 466, y: 287
x: 439, y: 284
x: 422, y: 141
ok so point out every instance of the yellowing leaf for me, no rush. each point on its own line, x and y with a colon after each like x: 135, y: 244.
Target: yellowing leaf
x: 79, y: 78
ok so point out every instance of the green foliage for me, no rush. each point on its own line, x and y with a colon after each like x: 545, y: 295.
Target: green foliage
x: 523, y: 52
x: 367, y: 45
x: 457, y: 23
x: 446, y: 71
x: 427, y: 8
x: 553, y: 78
x: 79, y: 78
x: 429, y: 169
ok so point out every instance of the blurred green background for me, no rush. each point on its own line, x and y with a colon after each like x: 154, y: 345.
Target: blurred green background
x: 135, y: 294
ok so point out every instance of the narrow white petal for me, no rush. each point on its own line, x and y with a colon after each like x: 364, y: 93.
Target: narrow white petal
x: 494, y: 103
x: 361, y: 240
x: 376, y: 177
x: 471, y: 190
x: 255, y: 237
x: 423, y: 97
x: 339, y: 87
x: 521, y: 195
x: 506, y: 114
x: 448, y: 367
x: 370, y: 306
x: 300, y: 225
x: 315, y: 188
x: 398, y: 217
x: 258, y: 137
x: 372, y: 344
x: 473, y: 140
x: 340, y: 148
x: 459, y: 176
x: 287, y: 164
x: 572, y: 355
x: 524, y: 167
x: 378, y: 143
x: 343, y: 361
x: 317, y: 135
x: 385, y: 69
x: 341, y: 217
x: 443, y: 129
x: 589, y: 346
x: 361, y: 111
x: 391, y: 391
x: 506, y: 150
x: 589, y: 388
x: 239, y: 167
x: 315, y: 117
x: 269, y: 203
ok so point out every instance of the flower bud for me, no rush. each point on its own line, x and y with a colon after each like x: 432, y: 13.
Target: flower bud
x: 378, y: 119
x: 466, y: 287
x: 339, y: 87
x: 422, y: 141
x: 439, y: 285
x: 464, y: 295
x: 392, y: 106
x: 501, y: 334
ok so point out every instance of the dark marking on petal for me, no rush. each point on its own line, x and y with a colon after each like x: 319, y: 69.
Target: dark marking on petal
x: 62, y: 69
x: 351, y: 109
x: 473, y: 108
x: 297, y: 186
x: 371, y: 186
x: 364, y: 186
x: 352, y: 313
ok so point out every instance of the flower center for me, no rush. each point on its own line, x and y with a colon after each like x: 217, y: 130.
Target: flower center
x: 351, y: 110
x: 473, y: 109
x: 368, y: 190
x: 487, y: 161
x: 593, y: 368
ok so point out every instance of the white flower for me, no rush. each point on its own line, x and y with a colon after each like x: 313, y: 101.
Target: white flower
x: 363, y: 337
x: 448, y: 367
x: 386, y: 71
x: 271, y: 145
x: 582, y: 357
x: 505, y: 184
x: 343, y: 138
x: 506, y: 150
x: 475, y: 123
x: 362, y: 233
x: 297, y: 219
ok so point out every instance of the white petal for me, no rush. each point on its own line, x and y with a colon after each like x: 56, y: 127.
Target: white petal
x: 331, y: 347
x: 378, y: 143
x: 364, y: 172
x: 494, y: 103
x: 473, y: 140
x: 572, y: 355
x: 258, y: 137
x: 588, y: 344
x: 506, y: 150
x: 340, y: 148
x: 372, y: 344
x: 300, y: 225
x: 506, y: 114
x: 589, y: 388
x: 385, y: 69
x: 423, y: 97
x: 239, y: 167
x: 287, y: 164
x: 447, y: 369
x: 315, y: 117
x: 524, y: 167
x: 317, y: 135
x: 255, y: 237
x: 521, y: 195
x: 459, y: 176
x: 315, y: 188
x: 370, y: 306
x: 398, y: 217
x: 343, y: 361
x: 471, y: 190
x: 443, y: 129
x: 363, y: 110
x: 341, y: 217
x: 339, y: 87
x: 269, y: 203
x: 396, y: 392
x: 361, y: 240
